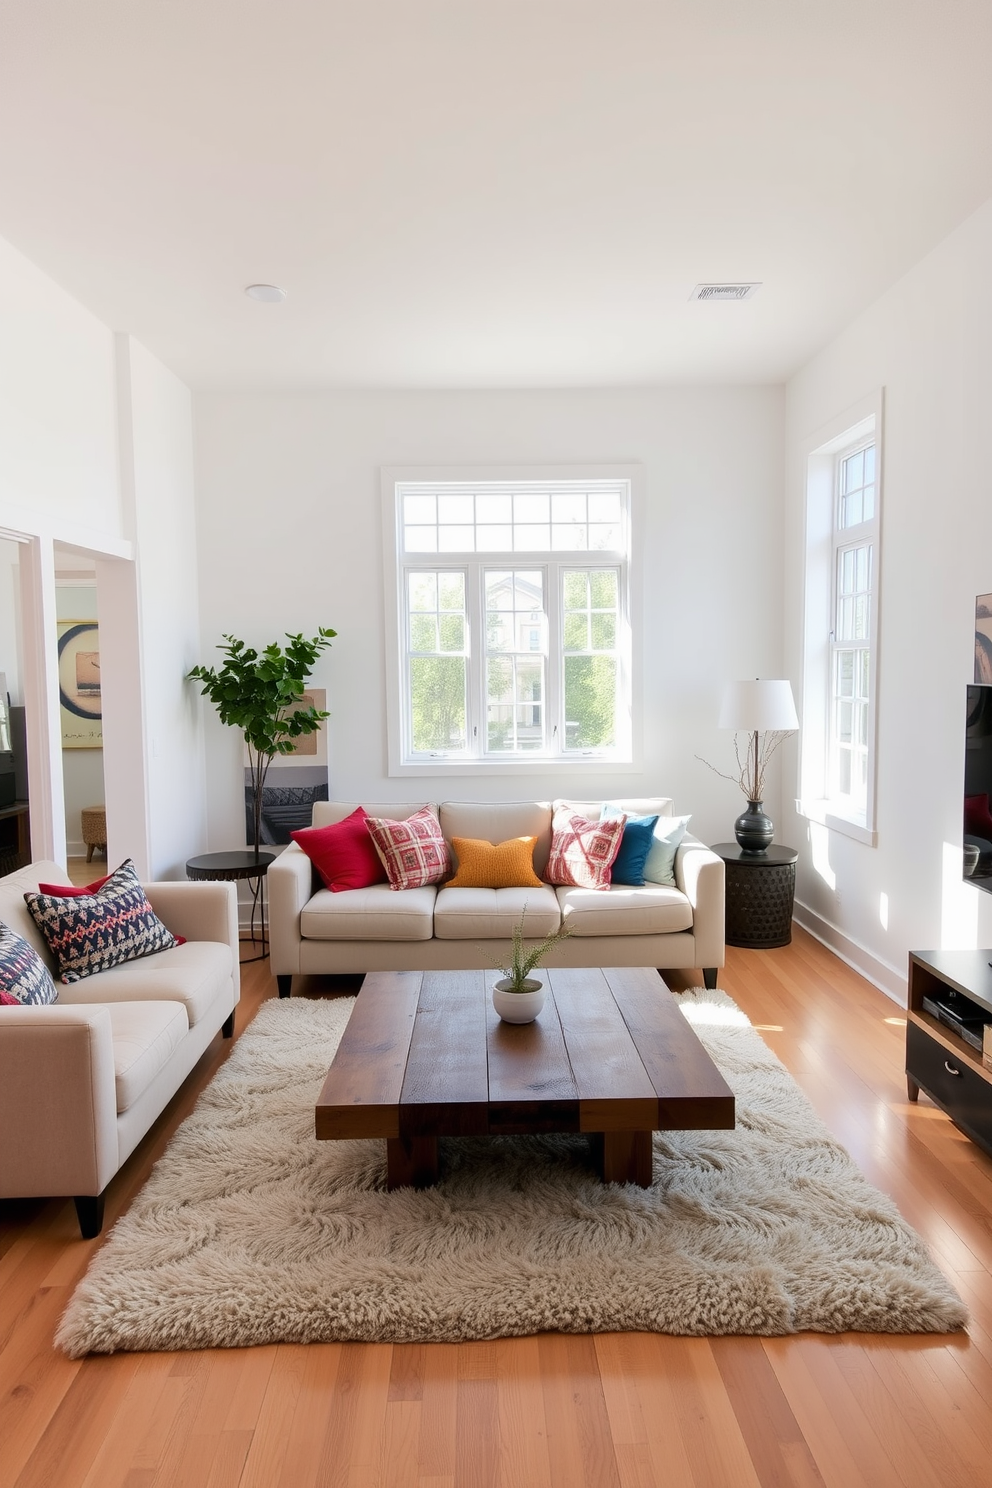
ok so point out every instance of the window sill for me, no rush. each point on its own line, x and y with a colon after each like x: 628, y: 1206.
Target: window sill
x: 828, y: 814
x: 451, y: 768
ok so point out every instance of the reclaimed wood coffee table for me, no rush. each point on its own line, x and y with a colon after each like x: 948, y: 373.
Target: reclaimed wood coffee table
x: 425, y: 1056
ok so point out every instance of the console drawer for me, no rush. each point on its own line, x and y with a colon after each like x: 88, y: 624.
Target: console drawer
x: 965, y: 1096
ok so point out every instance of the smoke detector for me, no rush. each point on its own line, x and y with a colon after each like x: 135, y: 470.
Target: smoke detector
x: 724, y: 291
x: 268, y: 294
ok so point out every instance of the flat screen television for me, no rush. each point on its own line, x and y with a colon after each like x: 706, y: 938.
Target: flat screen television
x: 977, y: 833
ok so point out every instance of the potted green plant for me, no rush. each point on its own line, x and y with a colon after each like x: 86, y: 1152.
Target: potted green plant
x: 517, y: 996
x: 255, y: 691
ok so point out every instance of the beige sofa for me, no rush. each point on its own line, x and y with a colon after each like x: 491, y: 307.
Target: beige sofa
x: 312, y: 930
x: 82, y: 1080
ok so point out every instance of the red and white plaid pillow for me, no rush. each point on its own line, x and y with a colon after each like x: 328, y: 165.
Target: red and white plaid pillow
x: 413, y: 852
x: 582, y: 852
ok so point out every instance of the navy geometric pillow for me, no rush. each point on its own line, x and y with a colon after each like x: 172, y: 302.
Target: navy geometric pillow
x: 23, y: 974
x: 88, y: 933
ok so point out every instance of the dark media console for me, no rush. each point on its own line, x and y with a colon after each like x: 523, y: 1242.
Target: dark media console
x: 949, y: 1037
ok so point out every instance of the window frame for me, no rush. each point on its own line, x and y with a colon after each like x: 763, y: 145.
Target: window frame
x: 819, y: 798
x: 622, y: 759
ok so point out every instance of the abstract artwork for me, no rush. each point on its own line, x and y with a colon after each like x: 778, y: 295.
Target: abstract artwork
x: 79, y: 684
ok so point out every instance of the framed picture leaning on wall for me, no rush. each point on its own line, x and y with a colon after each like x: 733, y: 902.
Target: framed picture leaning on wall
x: 79, y: 684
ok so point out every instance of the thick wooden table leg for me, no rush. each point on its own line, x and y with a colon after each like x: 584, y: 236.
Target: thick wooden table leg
x: 627, y: 1157
x: 411, y: 1162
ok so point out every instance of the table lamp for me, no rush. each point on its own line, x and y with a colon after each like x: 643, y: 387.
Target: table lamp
x: 765, y: 712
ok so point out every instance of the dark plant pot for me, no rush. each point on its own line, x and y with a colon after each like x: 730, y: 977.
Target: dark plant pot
x: 753, y: 829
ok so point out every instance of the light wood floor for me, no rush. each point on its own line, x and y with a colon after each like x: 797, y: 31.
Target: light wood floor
x: 851, y: 1411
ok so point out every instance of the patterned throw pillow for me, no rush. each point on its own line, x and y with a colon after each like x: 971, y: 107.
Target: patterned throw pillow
x: 503, y: 865
x: 90, y: 932
x: 413, y: 852
x: 582, y: 851
x: 24, y: 977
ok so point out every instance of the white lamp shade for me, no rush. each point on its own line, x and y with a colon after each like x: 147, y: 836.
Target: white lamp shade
x: 758, y: 707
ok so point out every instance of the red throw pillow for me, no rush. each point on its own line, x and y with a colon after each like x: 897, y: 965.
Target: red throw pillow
x: 977, y: 818
x: 70, y: 891
x: 343, y: 853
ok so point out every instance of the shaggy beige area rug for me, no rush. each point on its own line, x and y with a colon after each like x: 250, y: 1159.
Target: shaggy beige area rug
x: 250, y: 1231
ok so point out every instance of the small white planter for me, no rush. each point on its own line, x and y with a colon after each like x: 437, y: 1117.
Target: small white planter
x: 518, y: 1007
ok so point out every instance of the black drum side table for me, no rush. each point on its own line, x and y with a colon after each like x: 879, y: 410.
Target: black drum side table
x: 230, y: 866
x: 760, y: 891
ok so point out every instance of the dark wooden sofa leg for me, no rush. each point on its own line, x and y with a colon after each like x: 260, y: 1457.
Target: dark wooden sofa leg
x: 709, y: 977
x: 227, y: 1027
x: 89, y: 1212
x: 285, y: 985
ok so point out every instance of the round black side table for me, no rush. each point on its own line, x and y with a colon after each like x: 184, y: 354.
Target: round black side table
x: 237, y: 865
x: 760, y: 891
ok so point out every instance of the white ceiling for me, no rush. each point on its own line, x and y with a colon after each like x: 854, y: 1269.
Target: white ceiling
x: 487, y: 193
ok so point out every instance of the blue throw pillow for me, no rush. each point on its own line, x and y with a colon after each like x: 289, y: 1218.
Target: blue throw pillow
x: 635, y: 844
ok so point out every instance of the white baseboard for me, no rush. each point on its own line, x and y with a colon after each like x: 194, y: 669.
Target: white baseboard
x: 886, y: 978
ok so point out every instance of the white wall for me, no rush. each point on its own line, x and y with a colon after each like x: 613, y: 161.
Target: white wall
x: 159, y: 482
x: 928, y: 342
x: 290, y: 538
x: 96, y: 455
x: 10, y: 630
x: 58, y: 424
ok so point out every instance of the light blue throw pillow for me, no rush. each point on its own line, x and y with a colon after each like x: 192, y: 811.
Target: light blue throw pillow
x: 660, y: 865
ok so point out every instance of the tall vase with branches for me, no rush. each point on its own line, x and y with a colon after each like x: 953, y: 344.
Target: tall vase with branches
x: 256, y: 691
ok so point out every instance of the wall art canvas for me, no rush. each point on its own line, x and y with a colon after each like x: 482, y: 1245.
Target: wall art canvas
x: 293, y: 783
x: 79, y: 684
x: 983, y: 638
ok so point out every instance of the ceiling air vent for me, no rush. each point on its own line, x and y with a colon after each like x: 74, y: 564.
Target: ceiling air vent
x: 724, y: 291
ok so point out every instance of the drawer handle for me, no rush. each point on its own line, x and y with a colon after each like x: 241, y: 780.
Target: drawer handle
x: 950, y: 1068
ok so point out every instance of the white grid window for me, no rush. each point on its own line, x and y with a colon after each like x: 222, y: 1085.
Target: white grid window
x: 840, y: 657
x: 852, y: 664
x: 514, y: 620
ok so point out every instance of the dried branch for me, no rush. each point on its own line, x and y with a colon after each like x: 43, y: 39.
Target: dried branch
x: 750, y: 777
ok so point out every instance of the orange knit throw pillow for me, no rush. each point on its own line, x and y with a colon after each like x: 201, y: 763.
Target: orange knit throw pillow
x: 503, y: 865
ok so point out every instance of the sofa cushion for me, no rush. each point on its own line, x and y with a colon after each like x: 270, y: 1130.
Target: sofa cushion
x: 145, y: 1036
x: 92, y: 932
x: 500, y: 865
x: 491, y: 914
x: 343, y: 853
x: 414, y: 851
x: 497, y: 821
x: 24, y: 977
x: 13, y: 910
x: 582, y: 851
x: 376, y: 913
x: 624, y: 910
x: 193, y: 974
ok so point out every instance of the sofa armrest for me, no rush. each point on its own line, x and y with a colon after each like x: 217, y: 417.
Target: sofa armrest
x: 200, y: 911
x: 699, y: 873
x: 58, y: 1101
x: 290, y: 889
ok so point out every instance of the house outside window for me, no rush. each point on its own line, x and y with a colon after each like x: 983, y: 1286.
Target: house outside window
x: 512, y: 622
x: 840, y: 674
